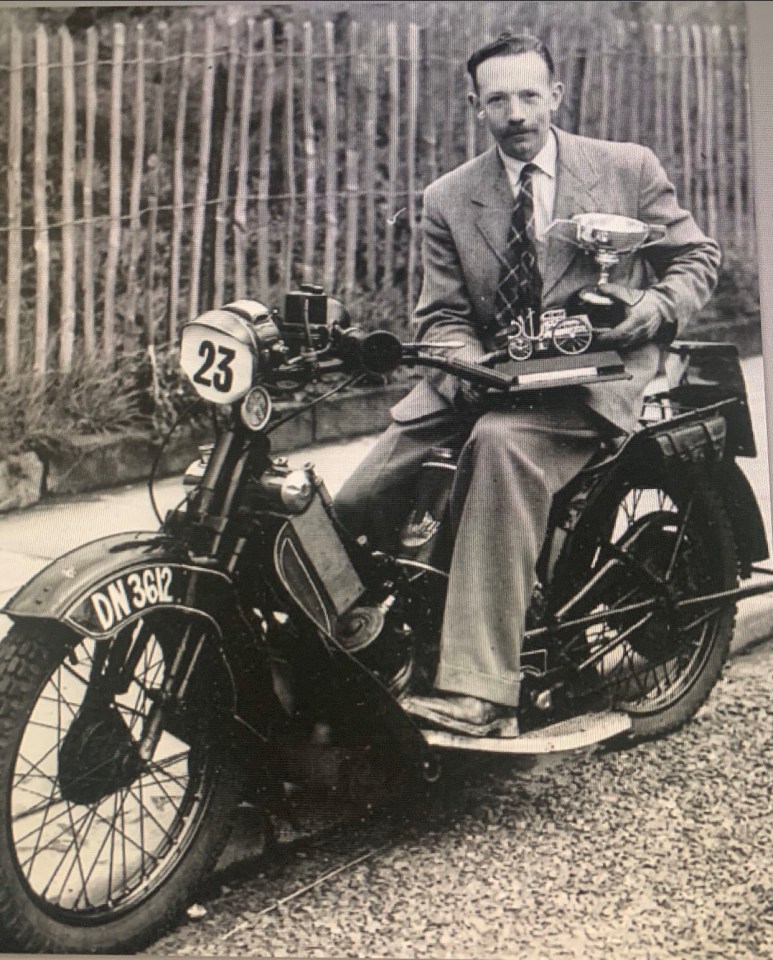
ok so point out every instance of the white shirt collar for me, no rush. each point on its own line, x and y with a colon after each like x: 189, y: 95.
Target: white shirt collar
x: 545, y: 159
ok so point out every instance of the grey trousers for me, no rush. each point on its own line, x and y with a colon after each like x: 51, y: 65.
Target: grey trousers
x: 511, y: 465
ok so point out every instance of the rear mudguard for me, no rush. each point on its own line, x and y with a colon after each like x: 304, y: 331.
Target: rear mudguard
x: 744, y: 512
x: 644, y: 460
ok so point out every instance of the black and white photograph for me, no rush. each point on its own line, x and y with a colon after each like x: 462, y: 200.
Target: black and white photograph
x: 385, y: 503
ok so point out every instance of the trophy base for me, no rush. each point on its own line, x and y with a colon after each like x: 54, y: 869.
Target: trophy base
x: 585, y: 368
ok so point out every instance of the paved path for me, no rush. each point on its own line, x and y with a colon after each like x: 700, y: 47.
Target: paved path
x: 30, y: 538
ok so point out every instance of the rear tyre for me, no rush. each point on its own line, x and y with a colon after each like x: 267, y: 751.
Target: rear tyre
x: 101, y: 848
x: 666, y: 539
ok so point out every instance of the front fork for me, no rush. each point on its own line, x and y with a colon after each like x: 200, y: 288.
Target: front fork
x: 173, y: 691
x: 113, y: 670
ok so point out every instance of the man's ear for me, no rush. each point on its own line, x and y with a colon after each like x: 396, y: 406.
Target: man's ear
x: 474, y: 101
x: 556, y: 96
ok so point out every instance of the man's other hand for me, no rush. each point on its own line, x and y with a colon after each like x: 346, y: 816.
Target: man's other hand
x: 641, y: 325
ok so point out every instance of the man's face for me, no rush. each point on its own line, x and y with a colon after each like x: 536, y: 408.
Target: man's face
x: 517, y: 97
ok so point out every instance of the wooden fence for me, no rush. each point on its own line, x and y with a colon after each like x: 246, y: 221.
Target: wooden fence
x: 164, y: 170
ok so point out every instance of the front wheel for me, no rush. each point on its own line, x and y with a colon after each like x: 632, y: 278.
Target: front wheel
x: 108, y: 819
x: 645, y: 546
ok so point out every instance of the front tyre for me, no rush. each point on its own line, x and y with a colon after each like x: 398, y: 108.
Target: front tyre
x: 101, y: 845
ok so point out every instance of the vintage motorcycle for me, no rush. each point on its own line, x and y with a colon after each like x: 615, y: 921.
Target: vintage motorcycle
x: 148, y: 676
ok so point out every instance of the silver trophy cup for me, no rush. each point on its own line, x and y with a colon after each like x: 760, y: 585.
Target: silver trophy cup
x: 608, y: 237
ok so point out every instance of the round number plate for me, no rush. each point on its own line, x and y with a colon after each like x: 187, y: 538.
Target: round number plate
x: 220, y: 367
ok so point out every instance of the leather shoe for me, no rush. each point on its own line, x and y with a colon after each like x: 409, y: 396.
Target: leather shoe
x: 463, y: 714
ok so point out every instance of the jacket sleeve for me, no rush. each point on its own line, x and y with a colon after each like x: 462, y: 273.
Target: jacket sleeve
x: 443, y: 313
x: 686, y: 262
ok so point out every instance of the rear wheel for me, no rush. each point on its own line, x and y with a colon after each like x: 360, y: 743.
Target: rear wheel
x: 666, y: 540
x: 113, y: 799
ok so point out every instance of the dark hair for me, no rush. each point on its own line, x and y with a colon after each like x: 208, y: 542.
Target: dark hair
x: 509, y: 43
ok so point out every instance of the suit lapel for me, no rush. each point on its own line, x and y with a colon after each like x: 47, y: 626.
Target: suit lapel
x: 492, y: 200
x: 577, y: 191
x: 577, y: 186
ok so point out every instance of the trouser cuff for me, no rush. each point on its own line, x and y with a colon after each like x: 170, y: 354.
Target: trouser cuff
x: 502, y: 690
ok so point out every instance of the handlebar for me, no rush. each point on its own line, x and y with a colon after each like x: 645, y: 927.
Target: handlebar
x: 381, y: 352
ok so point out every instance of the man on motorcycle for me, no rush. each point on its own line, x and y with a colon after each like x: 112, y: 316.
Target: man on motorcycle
x: 487, y: 260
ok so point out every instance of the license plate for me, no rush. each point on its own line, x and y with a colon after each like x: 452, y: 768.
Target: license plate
x: 128, y: 595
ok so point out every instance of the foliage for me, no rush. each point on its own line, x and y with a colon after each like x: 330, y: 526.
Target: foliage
x: 733, y: 313
x: 145, y: 392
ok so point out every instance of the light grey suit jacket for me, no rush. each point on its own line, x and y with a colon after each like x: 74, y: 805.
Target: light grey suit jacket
x: 465, y: 222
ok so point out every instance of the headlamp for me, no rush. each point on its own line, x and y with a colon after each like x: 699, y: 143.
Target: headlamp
x: 256, y: 408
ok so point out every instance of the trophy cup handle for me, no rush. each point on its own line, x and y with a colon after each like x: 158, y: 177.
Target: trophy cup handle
x: 656, y: 233
x: 564, y: 230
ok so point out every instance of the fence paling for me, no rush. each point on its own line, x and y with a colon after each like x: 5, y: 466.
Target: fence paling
x: 429, y: 127
x: 219, y: 259
x: 292, y: 198
x: 331, y: 162
x: 413, y: 119
x: 735, y: 152
x: 449, y: 104
x: 708, y: 142
x: 88, y: 273
x: 268, y: 79
x: 178, y: 185
x: 310, y: 154
x: 202, y: 182
x: 619, y: 83
x: 14, y: 266
x: 720, y: 118
x: 393, y: 69
x: 154, y: 183
x: 351, y: 184
x: 660, y: 88
x: 748, y: 193
x: 240, y: 202
x: 42, y: 250
x: 138, y: 159
x: 67, y: 320
x: 671, y: 53
x: 114, y: 233
x: 699, y: 143
x: 603, y: 80
x: 371, y: 120
x: 684, y: 113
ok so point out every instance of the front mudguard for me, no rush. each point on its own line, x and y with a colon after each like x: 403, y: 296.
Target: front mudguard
x: 116, y: 580
x: 93, y: 588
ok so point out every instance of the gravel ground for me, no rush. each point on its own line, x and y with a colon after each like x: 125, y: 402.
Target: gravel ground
x: 661, y: 851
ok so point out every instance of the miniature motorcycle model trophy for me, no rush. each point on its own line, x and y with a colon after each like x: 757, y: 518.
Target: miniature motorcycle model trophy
x: 150, y: 677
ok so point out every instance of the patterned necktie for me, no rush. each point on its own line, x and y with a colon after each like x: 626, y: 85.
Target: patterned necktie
x: 520, y: 283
